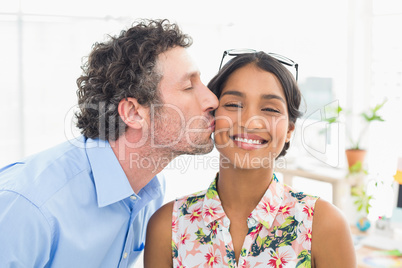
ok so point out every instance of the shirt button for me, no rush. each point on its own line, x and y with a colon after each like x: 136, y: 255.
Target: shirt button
x: 125, y: 255
x: 133, y: 197
x: 252, y: 221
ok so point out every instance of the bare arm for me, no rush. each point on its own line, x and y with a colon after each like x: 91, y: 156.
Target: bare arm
x: 332, y: 244
x: 158, y: 245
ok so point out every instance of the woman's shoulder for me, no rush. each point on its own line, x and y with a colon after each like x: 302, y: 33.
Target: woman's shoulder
x: 158, y: 238
x: 332, y: 244
x: 161, y: 220
x: 328, y: 218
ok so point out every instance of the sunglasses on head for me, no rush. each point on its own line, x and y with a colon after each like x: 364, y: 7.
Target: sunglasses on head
x: 282, y: 59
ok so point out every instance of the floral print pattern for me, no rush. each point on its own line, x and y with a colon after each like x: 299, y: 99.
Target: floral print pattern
x: 279, y: 233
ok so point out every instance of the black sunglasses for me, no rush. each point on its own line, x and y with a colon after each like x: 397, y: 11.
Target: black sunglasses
x: 280, y: 58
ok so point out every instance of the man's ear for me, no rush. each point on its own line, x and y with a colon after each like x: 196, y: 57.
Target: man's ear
x: 132, y: 113
x: 291, y: 128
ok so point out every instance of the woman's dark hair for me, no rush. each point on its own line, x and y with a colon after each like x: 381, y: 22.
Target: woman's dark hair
x: 269, y: 64
x: 123, y: 67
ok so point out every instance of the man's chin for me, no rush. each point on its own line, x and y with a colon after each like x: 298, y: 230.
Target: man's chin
x: 199, y: 149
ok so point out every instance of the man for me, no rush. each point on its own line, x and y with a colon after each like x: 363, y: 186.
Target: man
x: 86, y: 203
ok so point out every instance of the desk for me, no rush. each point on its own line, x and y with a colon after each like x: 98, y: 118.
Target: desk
x: 336, y: 177
x: 369, y: 257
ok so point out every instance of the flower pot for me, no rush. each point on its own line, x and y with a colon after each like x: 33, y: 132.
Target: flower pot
x: 353, y: 156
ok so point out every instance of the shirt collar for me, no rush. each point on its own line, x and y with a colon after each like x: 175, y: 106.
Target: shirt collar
x: 212, y: 209
x: 154, y: 188
x: 269, y: 205
x: 265, y: 212
x: 111, y: 182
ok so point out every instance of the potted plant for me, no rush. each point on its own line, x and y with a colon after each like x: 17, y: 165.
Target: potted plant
x: 362, y: 203
x: 355, y: 153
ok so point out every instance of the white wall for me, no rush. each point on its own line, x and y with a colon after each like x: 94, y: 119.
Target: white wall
x: 42, y: 51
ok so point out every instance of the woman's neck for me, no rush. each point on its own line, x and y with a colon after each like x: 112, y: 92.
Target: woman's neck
x: 242, y: 189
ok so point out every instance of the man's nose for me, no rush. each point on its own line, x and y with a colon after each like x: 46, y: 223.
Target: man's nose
x: 209, y: 101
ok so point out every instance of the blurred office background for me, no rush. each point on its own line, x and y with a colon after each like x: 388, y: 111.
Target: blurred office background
x: 349, y: 52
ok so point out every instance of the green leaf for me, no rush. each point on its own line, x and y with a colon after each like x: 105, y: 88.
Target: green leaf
x: 357, y: 167
x: 243, y: 252
x: 305, y: 260
x: 360, y: 207
x: 200, y: 233
x: 365, y: 116
x: 174, y: 250
x: 331, y: 120
x: 373, y: 116
x: 259, y: 241
x: 379, y: 106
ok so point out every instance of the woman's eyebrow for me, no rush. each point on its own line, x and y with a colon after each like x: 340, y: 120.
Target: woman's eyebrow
x: 264, y: 96
x: 273, y: 96
x: 234, y: 93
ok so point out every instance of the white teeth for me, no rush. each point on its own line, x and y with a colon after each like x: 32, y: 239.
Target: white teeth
x: 248, y: 140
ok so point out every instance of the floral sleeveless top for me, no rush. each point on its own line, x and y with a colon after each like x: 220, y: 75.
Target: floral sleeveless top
x: 279, y: 232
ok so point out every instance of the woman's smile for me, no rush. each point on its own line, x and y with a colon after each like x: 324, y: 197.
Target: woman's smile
x: 249, y: 141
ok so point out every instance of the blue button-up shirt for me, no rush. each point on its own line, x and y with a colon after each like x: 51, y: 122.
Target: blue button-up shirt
x: 73, y: 206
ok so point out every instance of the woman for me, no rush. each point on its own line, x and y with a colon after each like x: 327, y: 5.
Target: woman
x: 247, y: 218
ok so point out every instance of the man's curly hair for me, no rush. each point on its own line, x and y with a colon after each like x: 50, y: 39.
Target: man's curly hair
x: 123, y: 67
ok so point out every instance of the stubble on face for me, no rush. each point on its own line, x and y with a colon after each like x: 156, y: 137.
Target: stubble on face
x: 176, y: 134
x: 181, y: 124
